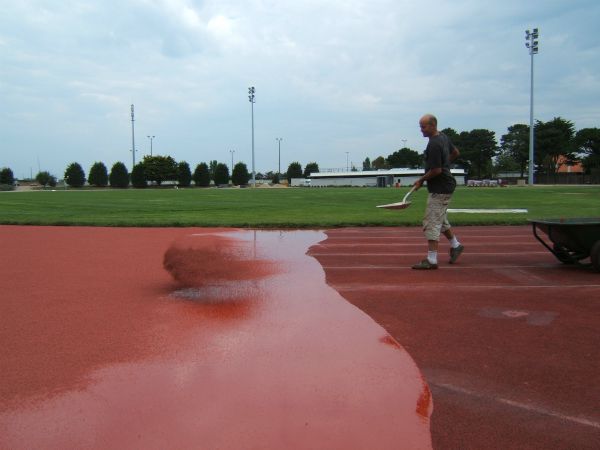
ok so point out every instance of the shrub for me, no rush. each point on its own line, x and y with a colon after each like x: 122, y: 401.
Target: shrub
x: 6, y: 176
x: 184, y: 174
x: 138, y: 176
x: 74, y: 175
x: 221, y: 174
x: 202, y: 175
x: 119, y: 176
x: 45, y: 179
x: 98, y: 175
x: 240, y: 174
x: 294, y: 171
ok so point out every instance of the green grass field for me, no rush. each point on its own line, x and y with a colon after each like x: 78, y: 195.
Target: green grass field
x: 284, y: 208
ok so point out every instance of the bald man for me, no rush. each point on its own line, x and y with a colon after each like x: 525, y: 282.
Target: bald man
x: 439, y: 154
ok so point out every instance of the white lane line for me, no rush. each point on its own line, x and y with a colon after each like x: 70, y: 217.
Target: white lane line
x: 406, y: 287
x: 358, y: 255
x: 527, y: 407
x: 454, y: 267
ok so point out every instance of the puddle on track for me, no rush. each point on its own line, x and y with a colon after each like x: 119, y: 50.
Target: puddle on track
x: 248, y: 347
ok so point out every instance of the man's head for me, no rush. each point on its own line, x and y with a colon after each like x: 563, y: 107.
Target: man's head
x: 428, y: 124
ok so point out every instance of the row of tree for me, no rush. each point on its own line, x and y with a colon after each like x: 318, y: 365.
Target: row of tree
x: 156, y: 170
x: 556, y: 144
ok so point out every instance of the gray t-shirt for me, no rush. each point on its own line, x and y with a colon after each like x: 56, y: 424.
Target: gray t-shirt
x: 437, y: 155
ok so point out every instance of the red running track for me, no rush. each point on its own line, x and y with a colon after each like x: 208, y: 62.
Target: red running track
x: 508, y: 338
x: 240, y: 344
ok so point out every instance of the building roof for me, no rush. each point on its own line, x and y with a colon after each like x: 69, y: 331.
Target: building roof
x: 377, y: 173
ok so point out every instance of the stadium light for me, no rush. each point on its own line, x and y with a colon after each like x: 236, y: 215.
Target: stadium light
x: 532, y: 43
x: 151, y: 139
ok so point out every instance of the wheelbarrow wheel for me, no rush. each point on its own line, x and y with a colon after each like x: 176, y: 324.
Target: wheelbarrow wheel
x: 561, y: 254
x: 595, y: 256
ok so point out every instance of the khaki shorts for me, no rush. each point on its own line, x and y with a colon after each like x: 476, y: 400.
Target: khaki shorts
x: 436, y: 216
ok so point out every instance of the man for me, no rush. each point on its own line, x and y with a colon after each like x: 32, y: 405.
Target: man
x: 439, y: 154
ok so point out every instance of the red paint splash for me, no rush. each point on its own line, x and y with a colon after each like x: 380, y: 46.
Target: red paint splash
x: 388, y: 340
x: 199, y: 260
x: 424, y: 403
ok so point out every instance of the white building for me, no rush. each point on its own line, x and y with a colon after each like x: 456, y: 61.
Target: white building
x: 375, y: 178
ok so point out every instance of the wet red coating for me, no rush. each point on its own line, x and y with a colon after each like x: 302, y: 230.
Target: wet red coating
x: 103, y: 349
x: 203, y: 259
x: 507, y: 337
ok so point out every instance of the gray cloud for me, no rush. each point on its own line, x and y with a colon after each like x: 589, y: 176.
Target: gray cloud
x: 331, y: 77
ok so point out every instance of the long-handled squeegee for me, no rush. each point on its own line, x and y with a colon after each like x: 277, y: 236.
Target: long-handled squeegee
x: 399, y: 205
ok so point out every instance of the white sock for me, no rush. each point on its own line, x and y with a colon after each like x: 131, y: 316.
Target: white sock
x: 454, y: 242
x: 432, y: 257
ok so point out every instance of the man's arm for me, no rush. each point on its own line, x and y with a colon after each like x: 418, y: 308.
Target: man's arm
x: 431, y: 173
x: 453, y: 154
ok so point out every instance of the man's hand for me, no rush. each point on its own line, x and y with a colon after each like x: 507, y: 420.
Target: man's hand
x: 417, y: 185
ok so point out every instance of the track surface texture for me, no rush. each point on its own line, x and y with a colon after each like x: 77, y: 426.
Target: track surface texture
x: 508, y: 338
x: 193, y: 339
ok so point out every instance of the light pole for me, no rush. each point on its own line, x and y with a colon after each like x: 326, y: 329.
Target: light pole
x: 251, y: 92
x: 232, y: 152
x: 279, y: 142
x: 132, y: 137
x: 347, y: 161
x: 151, y: 139
x: 403, y: 142
x: 531, y: 42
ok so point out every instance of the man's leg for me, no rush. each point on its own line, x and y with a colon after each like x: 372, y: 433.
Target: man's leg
x: 433, y: 222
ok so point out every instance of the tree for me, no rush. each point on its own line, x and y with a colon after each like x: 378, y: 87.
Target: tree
x: 138, y: 176
x: 6, y: 176
x: 554, y: 144
x: 221, y: 174
x: 587, y: 141
x: 184, y: 174
x: 379, y: 163
x: 213, y: 168
x: 275, y: 179
x: 406, y: 158
x: 477, y: 148
x: 119, y: 176
x: 311, y: 167
x: 367, y: 164
x: 160, y: 168
x: 45, y: 179
x: 240, y: 174
x: 294, y: 171
x: 515, y: 145
x: 202, y: 175
x: 98, y: 175
x: 505, y: 163
x: 74, y: 175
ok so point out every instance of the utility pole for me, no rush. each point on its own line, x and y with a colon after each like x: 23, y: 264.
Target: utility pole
x: 132, y: 137
x: 279, y: 166
x: 251, y: 92
x: 531, y: 43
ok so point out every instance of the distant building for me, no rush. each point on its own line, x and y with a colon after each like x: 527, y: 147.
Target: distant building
x: 375, y: 178
x: 563, y: 167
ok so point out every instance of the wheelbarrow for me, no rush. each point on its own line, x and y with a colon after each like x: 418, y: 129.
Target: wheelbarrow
x: 572, y: 241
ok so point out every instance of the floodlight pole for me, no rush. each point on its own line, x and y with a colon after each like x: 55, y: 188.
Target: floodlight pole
x: 279, y: 142
x: 151, y: 139
x: 347, y: 161
x: 232, y: 152
x: 531, y: 43
x: 132, y: 137
x: 251, y: 92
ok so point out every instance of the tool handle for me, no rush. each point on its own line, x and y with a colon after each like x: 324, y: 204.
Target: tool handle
x: 408, y: 194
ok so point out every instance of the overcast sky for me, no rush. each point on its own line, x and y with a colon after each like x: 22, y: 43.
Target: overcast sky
x: 331, y: 76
